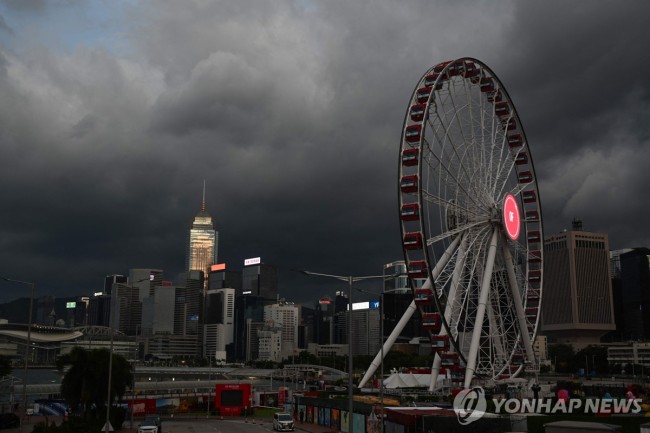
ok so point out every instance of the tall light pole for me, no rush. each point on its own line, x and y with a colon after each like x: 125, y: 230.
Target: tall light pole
x: 107, y: 426
x: 207, y: 401
x: 349, y: 279
x: 135, y: 341
x: 381, y: 342
x: 29, y: 341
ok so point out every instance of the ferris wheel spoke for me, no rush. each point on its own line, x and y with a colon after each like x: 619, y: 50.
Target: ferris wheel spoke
x: 517, y: 190
x: 444, y: 259
x: 498, y: 136
x: 447, y: 137
x: 496, y: 330
x: 468, y: 297
x: 451, y: 179
x: 454, y: 232
x: 449, y: 204
x: 458, y: 120
x: 503, y: 173
x: 455, y: 290
x: 463, y: 157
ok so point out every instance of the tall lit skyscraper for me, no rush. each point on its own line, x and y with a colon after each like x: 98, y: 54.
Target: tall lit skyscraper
x: 202, y: 241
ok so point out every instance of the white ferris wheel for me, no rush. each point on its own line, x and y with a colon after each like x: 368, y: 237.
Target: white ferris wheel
x: 471, y: 224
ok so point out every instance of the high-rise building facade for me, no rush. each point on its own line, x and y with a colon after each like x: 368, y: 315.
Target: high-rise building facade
x: 145, y: 280
x: 99, y: 307
x: 286, y: 316
x: 158, y: 312
x: 111, y: 280
x: 269, y: 340
x: 324, y: 321
x: 222, y: 278
x: 395, y: 278
x: 219, y: 324
x: 577, y: 304
x: 617, y: 295
x: 189, y: 303
x: 248, y: 309
x: 260, y: 279
x: 202, y: 242
x: 635, y: 291
x: 366, y: 327
x: 126, y: 309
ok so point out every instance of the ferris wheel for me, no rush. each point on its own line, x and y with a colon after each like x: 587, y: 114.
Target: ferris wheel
x: 471, y: 223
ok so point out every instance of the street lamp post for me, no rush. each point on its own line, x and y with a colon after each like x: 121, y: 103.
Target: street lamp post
x: 107, y: 426
x: 29, y: 341
x: 381, y: 342
x: 207, y: 401
x: 349, y: 279
x: 128, y: 327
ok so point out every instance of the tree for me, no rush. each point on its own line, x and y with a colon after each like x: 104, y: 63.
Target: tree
x: 562, y: 356
x: 593, y: 359
x: 85, y: 382
x: 5, y: 366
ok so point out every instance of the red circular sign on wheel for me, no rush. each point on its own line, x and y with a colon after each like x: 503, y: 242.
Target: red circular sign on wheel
x: 511, y: 218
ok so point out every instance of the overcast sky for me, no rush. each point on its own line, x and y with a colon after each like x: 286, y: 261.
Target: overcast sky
x: 112, y: 113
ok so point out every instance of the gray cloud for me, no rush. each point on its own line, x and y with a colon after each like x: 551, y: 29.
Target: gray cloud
x: 292, y: 112
x: 4, y: 27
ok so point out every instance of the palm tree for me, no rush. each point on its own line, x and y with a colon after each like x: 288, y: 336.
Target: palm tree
x: 85, y: 381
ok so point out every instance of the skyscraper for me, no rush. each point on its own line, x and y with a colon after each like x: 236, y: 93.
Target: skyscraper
x: 219, y: 323
x: 260, y: 279
x: 635, y: 290
x: 188, y: 310
x: 202, y: 241
x: 577, y: 305
x: 286, y: 316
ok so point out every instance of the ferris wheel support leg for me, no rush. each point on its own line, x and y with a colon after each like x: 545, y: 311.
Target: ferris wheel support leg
x: 452, y: 296
x: 519, y: 307
x: 480, y: 311
x: 435, y: 371
x: 409, y: 312
x: 389, y: 343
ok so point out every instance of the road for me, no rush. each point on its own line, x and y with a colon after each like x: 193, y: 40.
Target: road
x: 236, y: 425
x: 228, y: 425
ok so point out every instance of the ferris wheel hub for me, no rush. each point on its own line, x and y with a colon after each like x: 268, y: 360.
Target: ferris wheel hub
x: 511, y: 217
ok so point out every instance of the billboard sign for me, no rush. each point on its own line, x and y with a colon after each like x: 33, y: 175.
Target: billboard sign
x: 253, y: 261
x: 218, y: 267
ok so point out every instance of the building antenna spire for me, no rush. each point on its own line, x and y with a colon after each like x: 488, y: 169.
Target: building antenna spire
x: 203, y: 201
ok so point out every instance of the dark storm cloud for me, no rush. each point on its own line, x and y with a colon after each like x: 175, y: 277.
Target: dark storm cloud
x: 25, y: 4
x: 292, y: 113
x: 583, y: 93
x: 4, y: 27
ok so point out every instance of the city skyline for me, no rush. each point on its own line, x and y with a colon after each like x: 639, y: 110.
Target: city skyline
x: 113, y: 114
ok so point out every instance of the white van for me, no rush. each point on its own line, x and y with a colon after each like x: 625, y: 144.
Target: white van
x: 282, y: 421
